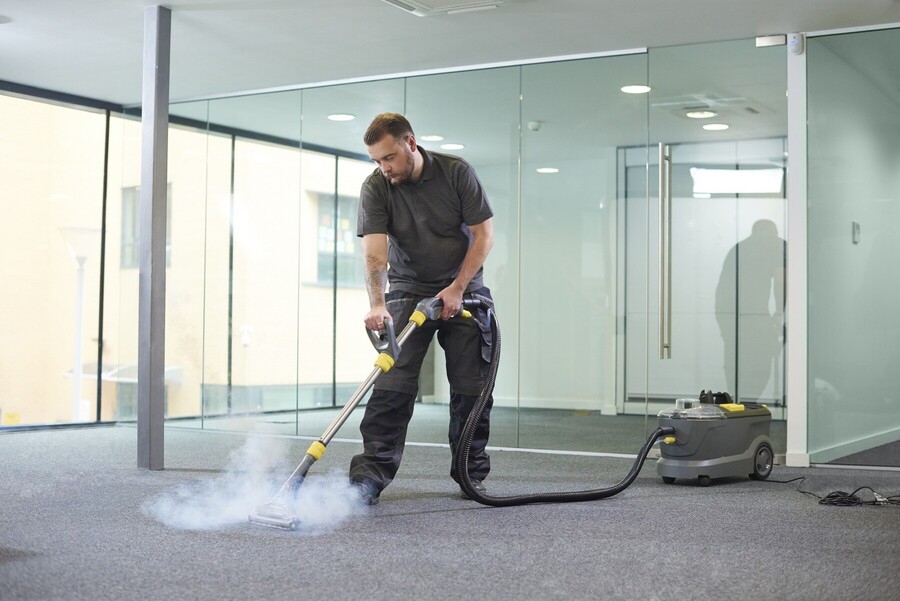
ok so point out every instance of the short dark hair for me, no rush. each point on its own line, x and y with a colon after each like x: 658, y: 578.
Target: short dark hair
x: 394, y: 124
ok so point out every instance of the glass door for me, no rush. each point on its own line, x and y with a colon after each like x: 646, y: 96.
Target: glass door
x: 705, y: 258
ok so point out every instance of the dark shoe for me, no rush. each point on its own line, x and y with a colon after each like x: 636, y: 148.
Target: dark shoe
x: 478, y: 485
x: 368, y: 491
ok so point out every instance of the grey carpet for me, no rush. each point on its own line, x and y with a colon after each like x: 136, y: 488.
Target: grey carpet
x: 72, y: 527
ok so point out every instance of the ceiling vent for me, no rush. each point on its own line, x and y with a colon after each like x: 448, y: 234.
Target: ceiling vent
x: 426, y: 8
x: 723, y: 104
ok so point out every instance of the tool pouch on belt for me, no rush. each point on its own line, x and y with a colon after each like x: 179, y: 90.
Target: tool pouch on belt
x: 483, y: 316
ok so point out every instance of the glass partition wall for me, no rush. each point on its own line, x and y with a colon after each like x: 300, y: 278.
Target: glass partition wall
x: 51, y: 207
x: 854, y: 218
x: 281, y: 344
x: 265, y: 292
x: 562, y: 150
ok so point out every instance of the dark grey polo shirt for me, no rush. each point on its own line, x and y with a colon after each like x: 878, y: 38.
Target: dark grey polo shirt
x: 426, y: 222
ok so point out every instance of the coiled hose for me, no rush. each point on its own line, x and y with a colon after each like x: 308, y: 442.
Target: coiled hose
x: 465, y: 446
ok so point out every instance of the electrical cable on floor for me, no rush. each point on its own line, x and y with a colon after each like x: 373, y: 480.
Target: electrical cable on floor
x: 840, y: 498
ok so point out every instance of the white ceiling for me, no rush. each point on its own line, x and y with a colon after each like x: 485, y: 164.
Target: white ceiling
x: 93, y: 48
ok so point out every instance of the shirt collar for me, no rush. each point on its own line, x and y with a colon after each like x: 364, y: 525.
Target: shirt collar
x: 427, y: 164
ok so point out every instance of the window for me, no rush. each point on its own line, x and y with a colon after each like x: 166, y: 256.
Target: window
x: 131, y: 202
x: 338, y: 245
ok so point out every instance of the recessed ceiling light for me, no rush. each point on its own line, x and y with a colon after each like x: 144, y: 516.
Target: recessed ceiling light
x: 341, y: 117
x: 452, y: 146
x: 635, y: 89
x: 715, y: 126
x: 547, y: 170
x: 701, y: 114
x: 432, y: 138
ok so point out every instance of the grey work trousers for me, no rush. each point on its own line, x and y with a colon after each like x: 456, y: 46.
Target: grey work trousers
x: 389, y: 409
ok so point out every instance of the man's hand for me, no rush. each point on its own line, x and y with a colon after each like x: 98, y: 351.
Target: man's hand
x: 375, y: 318
x: 452, y: 299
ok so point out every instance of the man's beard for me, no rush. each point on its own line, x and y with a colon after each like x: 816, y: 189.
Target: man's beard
x: 397, y: 179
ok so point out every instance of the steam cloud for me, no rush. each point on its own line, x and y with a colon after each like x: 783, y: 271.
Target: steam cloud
x: 254, y: 473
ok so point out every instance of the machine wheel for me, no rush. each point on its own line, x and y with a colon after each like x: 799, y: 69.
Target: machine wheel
x: 703, y: 480
x: 668, y: 479
x: 762, y: 461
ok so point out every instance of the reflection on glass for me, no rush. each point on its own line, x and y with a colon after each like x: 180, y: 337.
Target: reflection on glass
x: 751, y: 285
x: 726, y: 324
x: 728, y: 271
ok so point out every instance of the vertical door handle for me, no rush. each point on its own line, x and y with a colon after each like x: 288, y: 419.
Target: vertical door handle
x: 665, y: 251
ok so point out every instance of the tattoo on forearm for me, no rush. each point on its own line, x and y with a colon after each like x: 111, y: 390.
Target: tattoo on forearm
x: 376, y: 280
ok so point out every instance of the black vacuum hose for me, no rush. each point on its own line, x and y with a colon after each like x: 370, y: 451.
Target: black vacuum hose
x: 465, y: 446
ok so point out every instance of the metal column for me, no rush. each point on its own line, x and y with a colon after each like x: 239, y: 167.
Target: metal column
x: 152, y: 301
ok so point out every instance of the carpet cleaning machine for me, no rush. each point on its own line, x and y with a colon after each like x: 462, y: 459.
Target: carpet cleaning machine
x: 703, y: 439
x: 715, y: 438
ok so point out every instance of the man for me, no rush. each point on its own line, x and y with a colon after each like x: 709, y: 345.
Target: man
x: 426, y: 228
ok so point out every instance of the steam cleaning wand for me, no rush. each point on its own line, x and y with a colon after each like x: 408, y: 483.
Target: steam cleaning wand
x: 276, y: 513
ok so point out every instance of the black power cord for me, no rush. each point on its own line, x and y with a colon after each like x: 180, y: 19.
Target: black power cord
x: 468, y: 433
x: 843, y: 499
x: 840, y: 498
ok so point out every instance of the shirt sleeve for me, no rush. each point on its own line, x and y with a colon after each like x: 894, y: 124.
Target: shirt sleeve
x: 475, y: 205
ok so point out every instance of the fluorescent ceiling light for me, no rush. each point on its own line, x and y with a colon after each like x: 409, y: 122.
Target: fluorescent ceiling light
x: 737, y: 181
x: 451, y: 146
x: 635, y: 89
x: 701, y: 114
x: 470, y: 9
x: 715, y: 126
x: 427, y: 8
x: 341, y: 117
x: 547, y: 170
x: 432, y: 138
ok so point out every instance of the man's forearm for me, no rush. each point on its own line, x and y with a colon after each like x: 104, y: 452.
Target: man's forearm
x: 375, y: 253
x: 482, y: 242
x: 474, y: 259
x: 376, y: 282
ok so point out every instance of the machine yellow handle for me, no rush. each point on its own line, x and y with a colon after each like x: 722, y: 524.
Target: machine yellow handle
x: 432, y: 306
x: 669, y: 440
